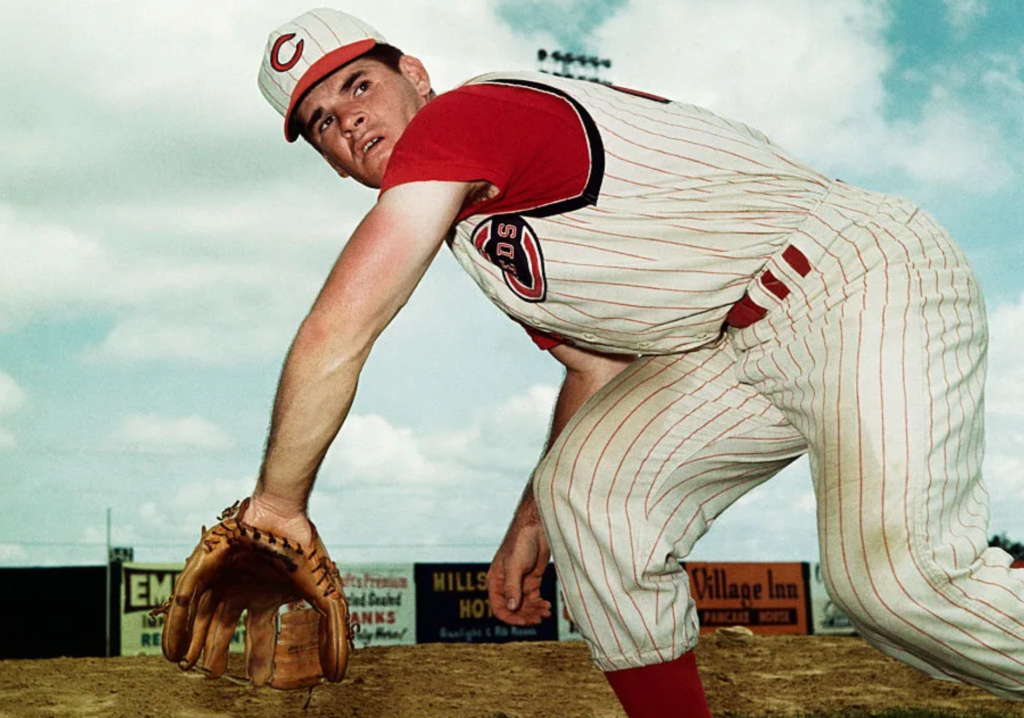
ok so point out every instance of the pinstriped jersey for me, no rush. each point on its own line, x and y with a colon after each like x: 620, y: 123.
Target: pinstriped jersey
x: 676, y: 211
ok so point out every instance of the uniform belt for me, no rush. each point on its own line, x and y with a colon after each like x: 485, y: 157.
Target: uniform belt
x: 746, y: 311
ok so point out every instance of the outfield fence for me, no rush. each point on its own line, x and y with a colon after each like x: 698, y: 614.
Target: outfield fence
x: 392, y: 604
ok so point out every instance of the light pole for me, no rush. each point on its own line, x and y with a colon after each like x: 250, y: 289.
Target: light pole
x: 573, y: 65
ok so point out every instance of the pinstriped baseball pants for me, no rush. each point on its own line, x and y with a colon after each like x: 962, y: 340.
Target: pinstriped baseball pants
x: 873, y: 363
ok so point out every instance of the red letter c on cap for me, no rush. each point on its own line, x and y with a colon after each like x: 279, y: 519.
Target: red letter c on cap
x: 275, y: 60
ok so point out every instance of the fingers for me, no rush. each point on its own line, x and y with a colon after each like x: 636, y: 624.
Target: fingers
x: 206, y: 561
x: 333, y: 631
x: 179, y: 621
x: 515, y: 599
x: 218, y: 639
x: 513, y: 589
x: 514, y: 579
x: 496, y: 589
x: 204, y: 614
x: 533, y: 610
x: 505, y: 593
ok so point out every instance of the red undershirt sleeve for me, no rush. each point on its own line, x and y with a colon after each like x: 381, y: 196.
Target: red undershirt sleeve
x: 531, y: 145
x: 542, y: 340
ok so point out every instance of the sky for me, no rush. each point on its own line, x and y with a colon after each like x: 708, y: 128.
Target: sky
x: 160, y: 243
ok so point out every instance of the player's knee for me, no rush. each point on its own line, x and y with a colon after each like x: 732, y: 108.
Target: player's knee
x: 549, y: 492
x: 559, y: 491
x: 884, y: 602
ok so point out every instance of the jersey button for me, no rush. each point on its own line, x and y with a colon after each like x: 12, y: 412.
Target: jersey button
x: 589, y: 337
x: 643, y: 345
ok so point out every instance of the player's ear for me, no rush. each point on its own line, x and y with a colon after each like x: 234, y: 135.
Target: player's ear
x: 416, y: 73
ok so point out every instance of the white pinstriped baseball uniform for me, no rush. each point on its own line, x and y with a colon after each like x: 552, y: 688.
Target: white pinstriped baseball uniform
x: 856, y: 333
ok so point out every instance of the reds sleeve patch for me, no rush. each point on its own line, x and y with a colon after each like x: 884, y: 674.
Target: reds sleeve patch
x: 509, y: 243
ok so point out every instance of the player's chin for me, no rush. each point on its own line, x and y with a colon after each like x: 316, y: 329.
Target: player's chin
x: 371, y: 181
x: 375, y: 167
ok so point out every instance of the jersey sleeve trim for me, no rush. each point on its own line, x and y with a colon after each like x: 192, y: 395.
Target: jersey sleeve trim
x: 592, y: 189
x: 471, y: 137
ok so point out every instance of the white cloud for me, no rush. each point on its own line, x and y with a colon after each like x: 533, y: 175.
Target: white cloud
x: 55, y: 271
x: 202, y: 236
x: 948, y: 146
x: 187, y: 222
x: 156, y: 433
x: 428, y: 495
x: 369, y: 449
x: 167, y: 527
x: 1005, y: 395
x: 12, y: 398
x: 456, y: 41
x: 812, y: 76
x: 512, y: 436
x: 211, y: 300
x: 501, y: 443
x: 1003, y: 79
x: 46, y: 267
x: 774, y: 522
x: 217, y: 339
x: 1004, y: 401
x: 963, y: 15
x: 12, y: 554
x: 798, y: 70
x: 198, y: 502
x: 171, y: 212
x: 528, y: 410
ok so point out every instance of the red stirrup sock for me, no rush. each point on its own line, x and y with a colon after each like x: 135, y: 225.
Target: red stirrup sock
x: 661, y: 690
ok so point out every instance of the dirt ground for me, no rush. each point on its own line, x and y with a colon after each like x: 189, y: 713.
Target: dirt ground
x: 780, y: 676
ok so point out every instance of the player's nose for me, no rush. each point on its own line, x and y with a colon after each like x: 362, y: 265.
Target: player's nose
x: 352, y: 121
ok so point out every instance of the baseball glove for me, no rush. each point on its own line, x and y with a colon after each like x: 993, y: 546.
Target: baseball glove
x: 237, y: 567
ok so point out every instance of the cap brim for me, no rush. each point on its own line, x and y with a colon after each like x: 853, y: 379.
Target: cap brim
x: 318, y: 71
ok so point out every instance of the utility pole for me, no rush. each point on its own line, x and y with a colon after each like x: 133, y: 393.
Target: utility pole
x: 107, y: 603
x: 116, y: 556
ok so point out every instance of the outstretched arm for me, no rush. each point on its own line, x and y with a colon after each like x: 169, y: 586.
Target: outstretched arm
x: 514, y: 578
x: 371, y: 281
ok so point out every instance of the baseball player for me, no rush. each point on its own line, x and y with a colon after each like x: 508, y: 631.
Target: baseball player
x: 720, y: 309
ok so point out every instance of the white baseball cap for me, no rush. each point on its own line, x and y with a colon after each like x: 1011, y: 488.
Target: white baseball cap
x: 304, y: 51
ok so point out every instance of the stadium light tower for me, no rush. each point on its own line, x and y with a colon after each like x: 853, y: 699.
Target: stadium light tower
x: 564, y: 65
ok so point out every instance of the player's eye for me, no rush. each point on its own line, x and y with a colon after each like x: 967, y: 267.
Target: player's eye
x: 361, y: 87
x: 325, y: 123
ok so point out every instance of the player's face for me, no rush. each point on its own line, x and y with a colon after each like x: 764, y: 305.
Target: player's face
x: 355, y: 116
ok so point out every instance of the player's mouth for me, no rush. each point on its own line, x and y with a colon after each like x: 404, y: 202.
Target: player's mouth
x: 369, y: 145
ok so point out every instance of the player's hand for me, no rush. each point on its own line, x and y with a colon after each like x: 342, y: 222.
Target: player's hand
x: 266, y: 512
x: 513, y: 581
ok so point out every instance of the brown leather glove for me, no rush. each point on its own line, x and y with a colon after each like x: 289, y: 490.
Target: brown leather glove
x: 237, y: 567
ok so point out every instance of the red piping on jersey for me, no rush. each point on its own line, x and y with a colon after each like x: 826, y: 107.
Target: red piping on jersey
x: 796, y: 259
x: 746, y: 311
x: 773, y: 285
